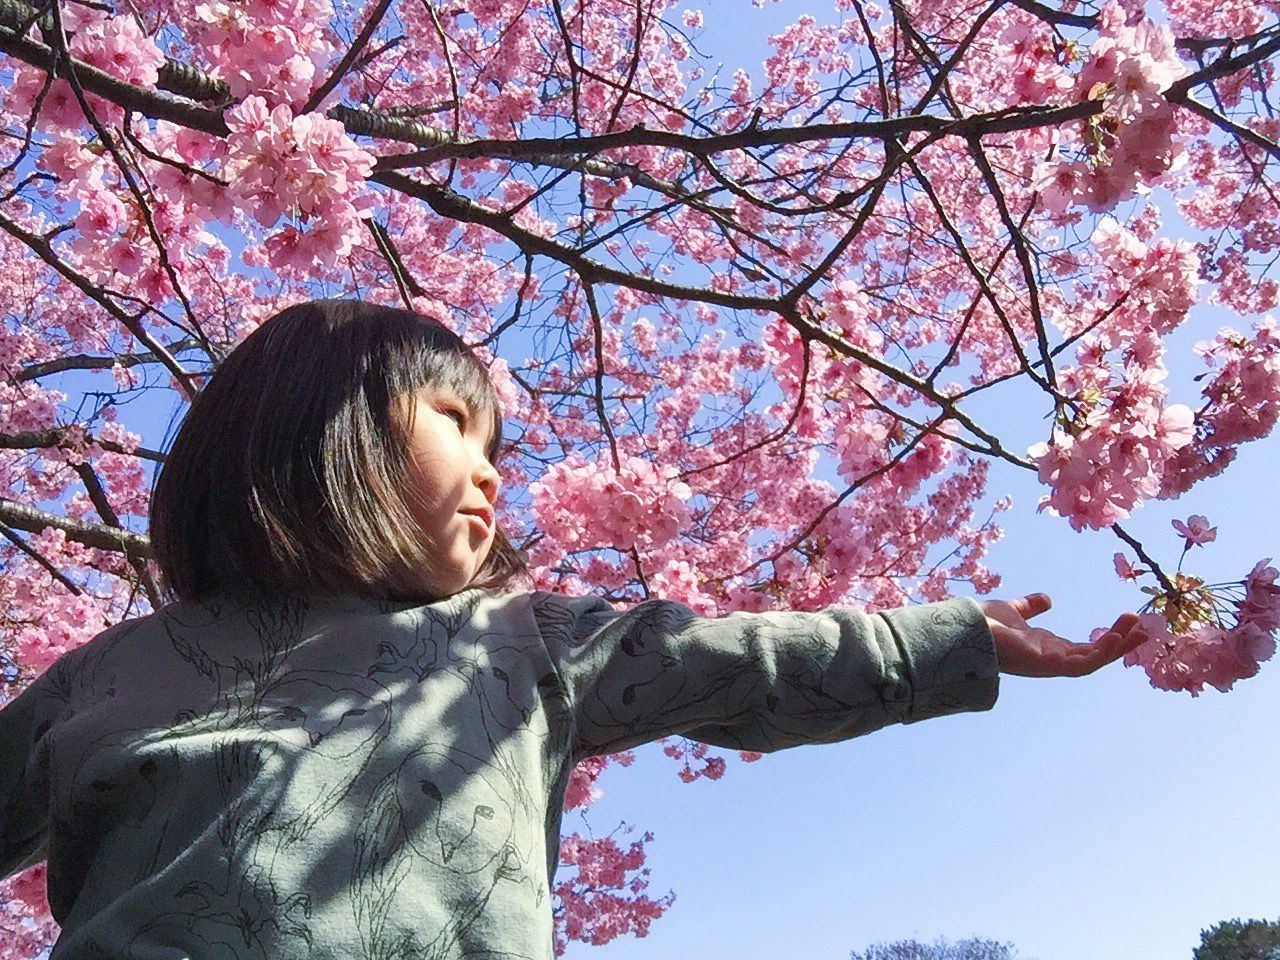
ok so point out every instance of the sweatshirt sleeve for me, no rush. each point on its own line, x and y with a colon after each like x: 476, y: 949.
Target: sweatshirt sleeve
x: 24, y: 778
x: 762, y: 681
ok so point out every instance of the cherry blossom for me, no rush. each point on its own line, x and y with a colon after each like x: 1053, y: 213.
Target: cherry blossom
x: 1196, y: 530
x: 1124, y: 569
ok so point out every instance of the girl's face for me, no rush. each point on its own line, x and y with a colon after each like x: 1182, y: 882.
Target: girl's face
x: 448, y: 474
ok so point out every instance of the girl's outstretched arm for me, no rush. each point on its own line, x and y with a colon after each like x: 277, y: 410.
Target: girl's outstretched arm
x: 762, y: 681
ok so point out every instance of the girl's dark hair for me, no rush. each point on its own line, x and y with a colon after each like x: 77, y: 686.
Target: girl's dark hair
x: 286, y: 474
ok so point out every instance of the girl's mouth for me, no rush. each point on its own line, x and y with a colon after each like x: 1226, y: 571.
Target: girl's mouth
x: 483, y: 514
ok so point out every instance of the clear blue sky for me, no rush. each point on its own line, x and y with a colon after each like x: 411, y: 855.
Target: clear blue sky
x: 1080, y: 819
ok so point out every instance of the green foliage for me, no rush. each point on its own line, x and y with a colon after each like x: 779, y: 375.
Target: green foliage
x: 971, y: 949
x: 1236, y: 940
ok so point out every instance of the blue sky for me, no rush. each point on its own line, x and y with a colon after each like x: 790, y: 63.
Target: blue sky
x: 1086, y: 818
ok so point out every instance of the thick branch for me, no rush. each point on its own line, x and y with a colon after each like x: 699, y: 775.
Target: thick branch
x: 449, y: 204
x: 997, y: 121
x: 1220, y: 68
x: 1223, y: 123
x: 45, y: 368
x: 57, y: 437
x: 1050, y: 15
x: 1088, y: 21
x: 91, y: 534
x: 149, y: 103
x: 1199, y: 45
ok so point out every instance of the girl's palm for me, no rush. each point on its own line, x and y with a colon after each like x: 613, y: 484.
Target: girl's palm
x: 1027, y: 651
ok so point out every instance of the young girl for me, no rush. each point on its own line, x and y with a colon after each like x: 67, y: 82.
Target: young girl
x: 340, y: 737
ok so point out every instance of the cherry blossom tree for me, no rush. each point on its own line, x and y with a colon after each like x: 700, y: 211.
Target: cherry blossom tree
x: 731, y: 283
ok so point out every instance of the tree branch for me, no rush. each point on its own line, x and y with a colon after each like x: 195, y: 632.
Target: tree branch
x: 90, y: 534
x: 45, y: 368
x: 45, y: 252
x: 98, y: 497
x: 339, y: 71
x: 58, y: 436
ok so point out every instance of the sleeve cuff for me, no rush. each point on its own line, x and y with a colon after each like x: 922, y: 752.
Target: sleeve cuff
x: 947, y: 659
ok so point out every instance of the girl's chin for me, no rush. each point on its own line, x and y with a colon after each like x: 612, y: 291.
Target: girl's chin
x: 447, y: 587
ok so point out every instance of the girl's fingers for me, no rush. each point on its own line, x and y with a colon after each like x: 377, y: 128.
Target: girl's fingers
x: 1082, y: 659
x: 1034, y: 604
x: 1132, y: 642
x: 1096, y: 658
x: 1123, y: 622
x: 1086, y: 658
x: 1108, y: 648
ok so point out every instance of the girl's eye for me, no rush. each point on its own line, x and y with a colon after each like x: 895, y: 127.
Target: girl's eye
x: 455, y: 412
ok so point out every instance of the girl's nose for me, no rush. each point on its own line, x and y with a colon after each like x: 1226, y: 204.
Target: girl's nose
x: 488, y: 479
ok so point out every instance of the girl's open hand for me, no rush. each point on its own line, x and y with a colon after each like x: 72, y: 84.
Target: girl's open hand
x: 1028, y: 651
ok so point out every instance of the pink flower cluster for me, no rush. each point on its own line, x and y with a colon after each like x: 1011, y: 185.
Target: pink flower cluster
x: 583, y: 789
x: 712, y: 767
x: 1131, y: 144
x: 1029, y: 61
x: 601, y: 862
x: 114, y: 45
x: 592, y: 912
x: 55, y: 625
x: 28, y: 901
x: 1244, y: 402
x: 1219, y: 18
x: 1245, y: 393
x: 112, y: 244
x: 1205, y: 650
x: 303, y: 165
x: 1108, y: 464
x: 267, y: 47
x: 582, y: 505
x: 1161, y: 279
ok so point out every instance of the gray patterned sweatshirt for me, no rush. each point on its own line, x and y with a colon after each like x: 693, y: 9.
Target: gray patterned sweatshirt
x: 338, y: 779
